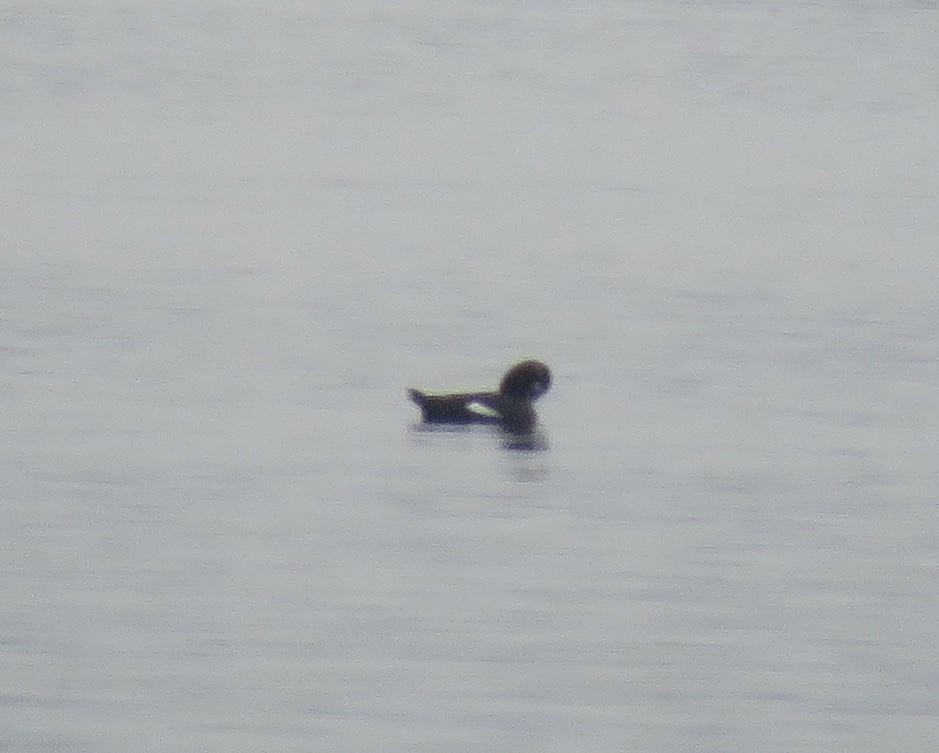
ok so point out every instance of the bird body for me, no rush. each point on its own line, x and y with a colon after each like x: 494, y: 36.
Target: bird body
x: 510, y: 407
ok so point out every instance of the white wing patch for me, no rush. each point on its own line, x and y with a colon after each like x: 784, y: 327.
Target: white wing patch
x: 481, y: 409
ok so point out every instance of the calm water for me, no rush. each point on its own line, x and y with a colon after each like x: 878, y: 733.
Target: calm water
x: 232, y: 236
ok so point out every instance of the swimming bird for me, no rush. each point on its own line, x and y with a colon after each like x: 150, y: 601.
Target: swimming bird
x: 510, y: 407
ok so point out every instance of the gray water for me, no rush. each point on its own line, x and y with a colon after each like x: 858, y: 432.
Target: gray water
x: 233, y: 233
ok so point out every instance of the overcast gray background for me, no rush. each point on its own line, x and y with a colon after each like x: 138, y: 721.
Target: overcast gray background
x: 233, y: 233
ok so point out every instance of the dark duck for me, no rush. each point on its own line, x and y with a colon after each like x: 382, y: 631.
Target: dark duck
x: 511, y: 407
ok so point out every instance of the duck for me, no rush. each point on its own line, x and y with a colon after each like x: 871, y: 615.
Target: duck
x: 510, y: 407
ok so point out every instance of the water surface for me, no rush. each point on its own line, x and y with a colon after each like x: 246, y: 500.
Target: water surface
x: 231, y: 238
